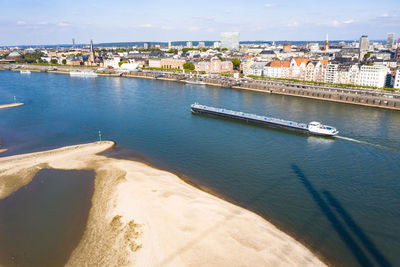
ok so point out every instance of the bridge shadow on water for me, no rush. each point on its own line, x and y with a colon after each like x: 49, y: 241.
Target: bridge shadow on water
x: 367, y: 254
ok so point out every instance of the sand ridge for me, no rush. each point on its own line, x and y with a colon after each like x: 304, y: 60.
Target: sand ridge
x: 143, y: 216
x: 11, y: 105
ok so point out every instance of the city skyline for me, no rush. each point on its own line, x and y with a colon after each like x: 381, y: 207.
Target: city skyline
x: 45, y: 22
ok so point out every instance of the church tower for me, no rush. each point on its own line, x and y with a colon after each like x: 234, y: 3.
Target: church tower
x: 326, y: 44
x: 92, y: 54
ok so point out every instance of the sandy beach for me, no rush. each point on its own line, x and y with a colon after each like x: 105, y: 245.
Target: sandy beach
x: 143, y: 216
x: 11, y: 105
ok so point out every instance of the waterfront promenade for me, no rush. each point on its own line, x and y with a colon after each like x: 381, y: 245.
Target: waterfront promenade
x: 350, y: 95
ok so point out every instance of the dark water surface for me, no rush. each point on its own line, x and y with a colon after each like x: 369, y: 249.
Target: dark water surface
x: 340, y: 197
x: 42, y: 222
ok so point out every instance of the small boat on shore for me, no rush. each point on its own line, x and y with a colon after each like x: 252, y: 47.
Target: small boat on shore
x: 82, y: 74
x: 197, y: 82
x: 25, y: 71
x: 314, y: 128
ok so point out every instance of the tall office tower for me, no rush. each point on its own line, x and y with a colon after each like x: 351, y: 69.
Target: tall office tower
x: 390, y: 40
x: 364, y: 43
x: 169, y: 45
x: 189, y: 44
x: 230, y: 40
x: 363, y: 47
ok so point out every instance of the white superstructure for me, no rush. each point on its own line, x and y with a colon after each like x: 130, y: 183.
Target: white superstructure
x: 320, y: 129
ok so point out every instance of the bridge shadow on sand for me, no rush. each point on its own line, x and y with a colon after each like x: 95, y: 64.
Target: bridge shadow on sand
x: 367, y: 254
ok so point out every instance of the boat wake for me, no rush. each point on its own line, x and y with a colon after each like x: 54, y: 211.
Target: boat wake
x: 365, y: 143
x: 350, y: 139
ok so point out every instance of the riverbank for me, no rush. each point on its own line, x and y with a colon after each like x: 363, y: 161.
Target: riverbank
x: 332, y: 93
x: 11, y: 105
x: 142, y: 216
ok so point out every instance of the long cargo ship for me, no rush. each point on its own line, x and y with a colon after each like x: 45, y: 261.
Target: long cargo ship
x: 314, y: 127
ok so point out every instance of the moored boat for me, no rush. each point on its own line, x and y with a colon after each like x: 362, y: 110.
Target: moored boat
x: 82, y: 74
x: 197, y: 82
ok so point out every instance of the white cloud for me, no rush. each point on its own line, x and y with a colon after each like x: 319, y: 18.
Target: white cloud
x: 43, y: 23
x: 385, y: 15
x: 168, y: 28
x: 63, y: 24
x: 348, y: 21
x: 335, y: 23
x: 269, y: 5
x: 148, y: 25
x: 194, y: 28
x: 21, y: 22
x: 294, y: 24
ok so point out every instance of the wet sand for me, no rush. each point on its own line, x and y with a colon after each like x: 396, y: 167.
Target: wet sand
x: 142, y: 216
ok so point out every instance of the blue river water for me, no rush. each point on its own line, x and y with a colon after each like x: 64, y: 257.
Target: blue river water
x: 340, y: 197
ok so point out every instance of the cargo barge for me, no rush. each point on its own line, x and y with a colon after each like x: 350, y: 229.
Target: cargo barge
x: 314, y: 128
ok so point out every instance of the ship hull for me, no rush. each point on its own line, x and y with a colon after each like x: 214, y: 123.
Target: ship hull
x: 250, y: 120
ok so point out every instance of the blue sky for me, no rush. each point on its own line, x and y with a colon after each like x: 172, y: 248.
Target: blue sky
x: 26, y: 22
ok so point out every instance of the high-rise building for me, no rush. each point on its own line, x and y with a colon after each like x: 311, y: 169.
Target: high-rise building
x: 189, y: 44
x: 398, y: 49
x: 169, y: 45
x: 217, y: 44
x: 364, y: 43
x: 201, y: 44
x: 230, y: 40
x: 390, y: 40
x: 363, y: 47
x: 146, y: 45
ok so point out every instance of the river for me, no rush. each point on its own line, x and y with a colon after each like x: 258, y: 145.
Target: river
x: 340, y: 197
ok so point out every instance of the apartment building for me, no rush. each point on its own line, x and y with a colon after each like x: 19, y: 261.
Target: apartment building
x: 373, y: 75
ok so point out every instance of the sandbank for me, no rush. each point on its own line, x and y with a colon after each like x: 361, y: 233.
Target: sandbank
x: 143, y: 216
x: 11, y: 105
